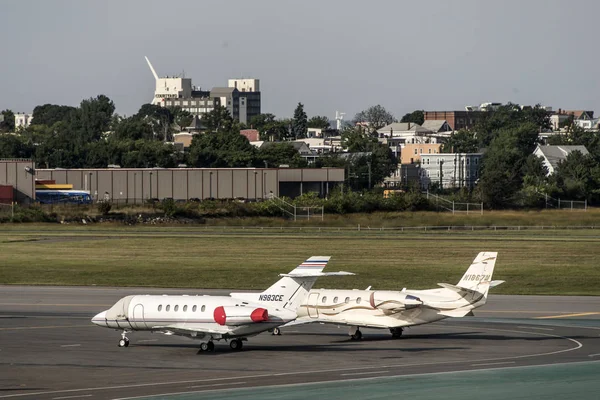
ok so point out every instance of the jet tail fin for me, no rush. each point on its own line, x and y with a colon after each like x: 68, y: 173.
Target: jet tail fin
x: 291, y: 290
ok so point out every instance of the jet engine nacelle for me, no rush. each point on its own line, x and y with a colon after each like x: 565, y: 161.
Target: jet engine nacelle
x: 394, y: 301
x: 225, y: 315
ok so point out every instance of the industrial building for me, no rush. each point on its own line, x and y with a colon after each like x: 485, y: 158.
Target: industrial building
x: 135, y: 185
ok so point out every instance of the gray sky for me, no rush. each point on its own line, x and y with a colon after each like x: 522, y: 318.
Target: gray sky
x: 329, y: 55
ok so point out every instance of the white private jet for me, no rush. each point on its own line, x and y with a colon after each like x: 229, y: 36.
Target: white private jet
x: 395, y: 310
x: 209, y: 318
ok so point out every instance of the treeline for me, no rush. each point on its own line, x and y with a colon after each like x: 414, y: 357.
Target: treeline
x: 93, y: 136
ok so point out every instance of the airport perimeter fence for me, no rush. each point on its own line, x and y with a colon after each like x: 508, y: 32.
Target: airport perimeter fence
x: 442, y: 204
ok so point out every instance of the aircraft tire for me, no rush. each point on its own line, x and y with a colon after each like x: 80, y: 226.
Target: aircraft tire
x: 357, y: 335
x: 211, y: 346
x: 236, y: 344
x: 123, y: 343
x: 276, y: 331
x: 203, y: 346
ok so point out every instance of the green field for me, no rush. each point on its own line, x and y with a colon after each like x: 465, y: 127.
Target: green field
x: 531, y: 261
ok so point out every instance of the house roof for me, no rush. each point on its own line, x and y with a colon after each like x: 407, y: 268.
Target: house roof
x: 251, y: 134
x: 434, y: 125
x: 403, y: 127
x: 555, y: 154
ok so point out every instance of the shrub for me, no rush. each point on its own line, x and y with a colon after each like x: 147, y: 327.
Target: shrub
x: 104, y: 207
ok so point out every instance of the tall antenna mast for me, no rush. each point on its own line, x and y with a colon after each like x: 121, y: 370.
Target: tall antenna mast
x: 151, y: 68
x: 339, y: 116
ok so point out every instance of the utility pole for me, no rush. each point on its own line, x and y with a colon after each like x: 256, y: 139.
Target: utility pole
x: 441, y: 174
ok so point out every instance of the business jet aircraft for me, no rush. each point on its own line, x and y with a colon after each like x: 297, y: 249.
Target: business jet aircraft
x: 210, y: 318
x: 395, y: 310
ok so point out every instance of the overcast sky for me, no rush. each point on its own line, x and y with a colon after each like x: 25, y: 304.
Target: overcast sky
x: 329, y: 55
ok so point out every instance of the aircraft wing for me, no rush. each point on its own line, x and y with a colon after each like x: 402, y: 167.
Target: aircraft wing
x: 457, y: 313
x: 301, y: 321
x: 187, y: 330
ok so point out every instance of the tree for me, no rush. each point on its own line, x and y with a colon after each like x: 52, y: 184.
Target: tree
x: 95, y: 117
x: 319, y: 122
x: 219, y: 120
x: 276, y: 154
x: 14, y: 146
x: 417, y: 117
x: 503, y: 164
x: 8, y: 124
x: 221, y: 149
x: 299, y: 122
x: 374, y: 117
x: 182, y: 118
x: 270, y: 128
x: 49, y: 114
x: 462, y: 141
x: 355, y: 140
x: 159, y: 118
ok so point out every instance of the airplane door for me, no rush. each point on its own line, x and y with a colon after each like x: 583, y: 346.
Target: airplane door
x: 313, y: 311
x: 138, y: 316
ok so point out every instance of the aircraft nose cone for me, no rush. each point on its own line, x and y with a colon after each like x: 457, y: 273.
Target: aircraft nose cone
x: 100, y: 319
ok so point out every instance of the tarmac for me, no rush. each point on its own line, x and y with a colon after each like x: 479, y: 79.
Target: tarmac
x: 515, y: 347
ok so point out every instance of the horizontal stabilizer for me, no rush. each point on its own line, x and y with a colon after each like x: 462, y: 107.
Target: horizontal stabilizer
x: 496, y: 283
x: 454, y: 288
x: 457, y: 313
x: 309, y: 274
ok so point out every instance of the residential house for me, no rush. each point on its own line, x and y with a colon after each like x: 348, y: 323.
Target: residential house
x: 450, y: 170
x: 412, y: 153
x: 301, y: 147
x: 553, y: 155
x: 251, y: 134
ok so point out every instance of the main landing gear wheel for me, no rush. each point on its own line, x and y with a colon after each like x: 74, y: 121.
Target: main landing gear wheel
x: 236, y: 344
x: 276, y: 331
x: 356, y: 335
x: 396, y: 332
x: 206, y: 346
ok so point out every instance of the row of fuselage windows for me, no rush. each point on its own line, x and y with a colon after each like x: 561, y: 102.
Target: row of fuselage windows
x: 335, y: 300
x: 184, y: 308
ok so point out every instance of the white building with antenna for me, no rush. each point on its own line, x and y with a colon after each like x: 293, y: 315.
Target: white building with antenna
x: 241, y: 97
x: 169, y: 87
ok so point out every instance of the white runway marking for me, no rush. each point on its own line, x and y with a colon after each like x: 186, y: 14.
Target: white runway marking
x: 72, y: 397
x: 594, y: 355
x: 498, y: 363
x: 70, y: 345
x: 216, y: 384
x: 365, y: 373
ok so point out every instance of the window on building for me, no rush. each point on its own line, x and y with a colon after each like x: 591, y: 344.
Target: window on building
x: 438, y: 174
x: 476, y: 160
x: 416, y: 151
x: 429, y: 151
x: 468, y: 161
x: 468, y: 176
x: 420, y: 151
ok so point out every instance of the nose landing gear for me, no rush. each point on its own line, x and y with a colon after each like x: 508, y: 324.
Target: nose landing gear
x: 124, y: 342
